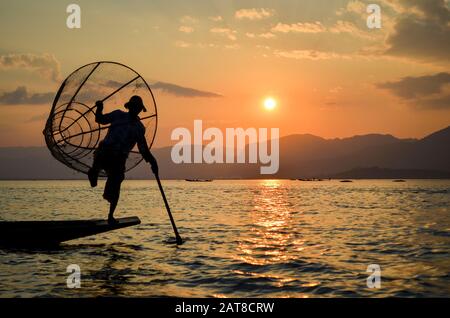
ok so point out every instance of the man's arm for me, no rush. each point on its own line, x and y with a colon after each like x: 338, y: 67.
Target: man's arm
x: 99, y: 116
x: 146, y: 154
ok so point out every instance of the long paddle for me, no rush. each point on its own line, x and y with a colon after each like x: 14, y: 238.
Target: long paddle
x: 177, y: 236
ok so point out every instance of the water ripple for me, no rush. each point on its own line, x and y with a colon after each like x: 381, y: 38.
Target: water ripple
x: 265, y: 238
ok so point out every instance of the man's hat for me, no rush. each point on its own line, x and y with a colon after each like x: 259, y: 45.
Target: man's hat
x: 135, y: 100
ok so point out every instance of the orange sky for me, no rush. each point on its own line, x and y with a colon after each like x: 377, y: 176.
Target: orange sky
x: 330, y: 74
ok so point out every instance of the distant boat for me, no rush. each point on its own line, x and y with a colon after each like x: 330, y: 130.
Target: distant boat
x: 51, y: 233
x: 198, y: 180
x: 398, y: 180
x: 312, y: 179
x: 346, y: 181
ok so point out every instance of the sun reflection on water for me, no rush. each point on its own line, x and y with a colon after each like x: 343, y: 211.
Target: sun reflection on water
x: 271, y: 227
x: 271, y: 236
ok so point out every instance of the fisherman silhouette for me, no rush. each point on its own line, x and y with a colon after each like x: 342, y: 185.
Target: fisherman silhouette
x: 125, y: 131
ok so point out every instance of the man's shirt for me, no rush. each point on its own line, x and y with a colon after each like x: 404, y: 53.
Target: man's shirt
x: 124, y: 132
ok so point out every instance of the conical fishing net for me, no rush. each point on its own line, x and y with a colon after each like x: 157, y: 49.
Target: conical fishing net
x: 71, y: 133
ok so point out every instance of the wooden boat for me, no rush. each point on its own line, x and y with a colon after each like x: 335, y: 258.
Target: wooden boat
x: 50, y: 233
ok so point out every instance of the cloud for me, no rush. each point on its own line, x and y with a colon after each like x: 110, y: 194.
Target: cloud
x: 230, y: 34
x: 216, y: 18
x: 350, y: 28
x: 413, y: 87
x: 265, y: 47
x: 232, y: 46
x: 335, y: 90
x: 341, y: 26
x: 306, y: 27
x: 203, y: 45
x: 356, y: 7
x: 309, y: 55
x: 253, y: 14
x: 422, y: 32
x: 187, y: 19
x: 267, y: 35
x: 186, y: 29
x: 21, y: 96
x: 45, y: 64
x: 437, y: 9
x: 181, y: 91
x: 442, y: 102
x: 182, y: 44
x: 431, y: 91
x: 207, y: 45
x: 37, y: 118
x: 394, y: 5
x: 417, y: 30
x: 170, y: 89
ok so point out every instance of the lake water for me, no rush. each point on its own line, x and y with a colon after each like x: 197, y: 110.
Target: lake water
x: 252, y: 238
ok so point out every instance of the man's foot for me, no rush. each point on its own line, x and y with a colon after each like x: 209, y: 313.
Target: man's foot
x: 112, y: 220
x: 93, y: 177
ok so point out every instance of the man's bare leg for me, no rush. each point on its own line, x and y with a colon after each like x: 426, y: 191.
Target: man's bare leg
x: 112, y: 208
x: 93, y: 176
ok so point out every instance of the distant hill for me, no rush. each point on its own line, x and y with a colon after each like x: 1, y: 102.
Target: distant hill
x: 383, y: 173
x: 328, y: 157
x: 301, y: 156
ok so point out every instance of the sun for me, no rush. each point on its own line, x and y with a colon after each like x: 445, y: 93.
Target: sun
x: 270, y: 103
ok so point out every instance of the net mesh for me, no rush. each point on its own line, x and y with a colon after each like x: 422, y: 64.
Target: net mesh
x: 71, y: 133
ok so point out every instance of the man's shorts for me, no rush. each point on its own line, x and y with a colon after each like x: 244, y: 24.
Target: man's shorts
x: 113, y: 163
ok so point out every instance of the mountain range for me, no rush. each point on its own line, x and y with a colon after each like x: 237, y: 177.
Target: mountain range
x: 301, y: 156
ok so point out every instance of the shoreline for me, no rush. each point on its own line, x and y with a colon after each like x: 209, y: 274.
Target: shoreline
x: 239, y: 179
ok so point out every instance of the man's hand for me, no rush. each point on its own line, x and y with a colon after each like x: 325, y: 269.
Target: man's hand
x: 99, y: 105
x: 152, y: 161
